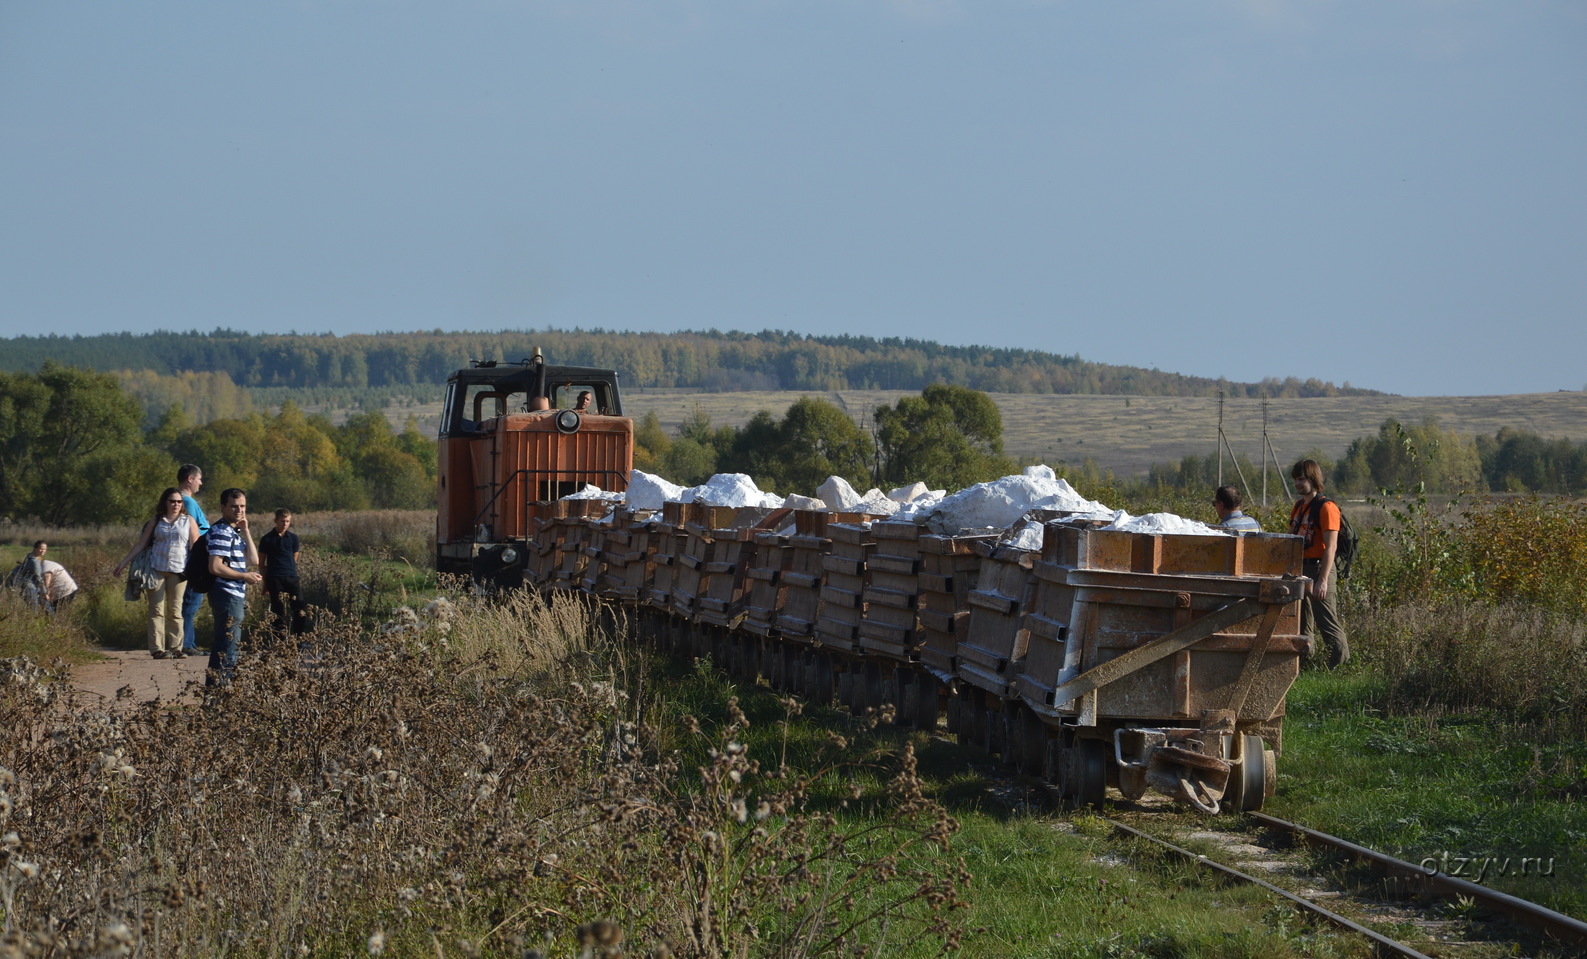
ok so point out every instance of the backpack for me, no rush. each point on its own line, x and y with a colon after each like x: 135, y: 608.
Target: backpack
x: 197, y: 572
x: 1347, y: 542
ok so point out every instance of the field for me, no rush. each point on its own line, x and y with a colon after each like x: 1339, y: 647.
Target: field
x: 1128, y: 434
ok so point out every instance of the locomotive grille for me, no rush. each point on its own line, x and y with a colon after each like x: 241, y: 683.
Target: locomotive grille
x: 541, y: 465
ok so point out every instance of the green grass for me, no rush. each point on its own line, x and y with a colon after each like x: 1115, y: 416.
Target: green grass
x: 1466, y: 785
x: 1043, y: 884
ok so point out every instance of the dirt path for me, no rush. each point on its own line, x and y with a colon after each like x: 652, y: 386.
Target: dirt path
x: 145, y: 677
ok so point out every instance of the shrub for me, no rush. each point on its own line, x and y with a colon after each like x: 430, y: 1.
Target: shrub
x: 1530, y: 550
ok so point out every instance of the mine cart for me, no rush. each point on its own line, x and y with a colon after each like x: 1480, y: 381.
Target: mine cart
x: 1159, y: 661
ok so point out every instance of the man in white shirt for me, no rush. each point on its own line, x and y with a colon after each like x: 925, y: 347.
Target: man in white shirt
x: 59, y: 585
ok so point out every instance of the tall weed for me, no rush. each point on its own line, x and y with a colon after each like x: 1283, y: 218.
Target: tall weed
x: 1522, y: 663
x: 403, y: 535
x: 474, y: 779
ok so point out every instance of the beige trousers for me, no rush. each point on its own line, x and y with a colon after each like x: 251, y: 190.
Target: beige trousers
x: 165, y: 613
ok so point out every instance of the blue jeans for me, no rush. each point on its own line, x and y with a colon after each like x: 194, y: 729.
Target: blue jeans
x: 190, y: 603
x: 228, y: 612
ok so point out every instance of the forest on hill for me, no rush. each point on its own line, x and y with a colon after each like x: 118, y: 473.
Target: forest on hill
x: 364, y: 368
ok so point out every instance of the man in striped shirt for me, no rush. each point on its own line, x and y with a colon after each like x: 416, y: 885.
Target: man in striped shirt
x: 231, y: 552
x: 1230, y: 517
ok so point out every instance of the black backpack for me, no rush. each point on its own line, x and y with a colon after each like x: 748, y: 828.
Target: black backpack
x: 1348, y: 540
x: 197, y: 572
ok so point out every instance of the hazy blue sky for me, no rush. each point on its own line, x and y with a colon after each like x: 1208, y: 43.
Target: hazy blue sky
x: 1387, y: 192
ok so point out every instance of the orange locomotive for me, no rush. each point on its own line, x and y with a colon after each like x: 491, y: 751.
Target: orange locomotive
x: 515, y: 438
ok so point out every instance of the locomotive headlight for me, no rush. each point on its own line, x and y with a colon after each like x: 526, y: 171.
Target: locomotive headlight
x: 568, y: 421
x: 509, y: 556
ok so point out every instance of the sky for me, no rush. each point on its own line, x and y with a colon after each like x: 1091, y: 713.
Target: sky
x: 1385, y: 193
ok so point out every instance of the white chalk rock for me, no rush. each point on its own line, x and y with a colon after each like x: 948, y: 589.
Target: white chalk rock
x: 1000, y: 503
x: 917, y: 511
x: 732, y: 489
x: 1164, y: 523
x: 646, y: 491
x: 838, y: 494
x: 797, y: 501
x: 908, y: 494
x: 877, y: 503
x: 1029, y: 537
x: 591, y: 491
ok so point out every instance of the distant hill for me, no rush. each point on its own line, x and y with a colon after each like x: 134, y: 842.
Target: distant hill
x: 337, y: 369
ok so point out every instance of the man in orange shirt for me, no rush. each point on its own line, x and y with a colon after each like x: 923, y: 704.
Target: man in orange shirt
x: 1316, y: 519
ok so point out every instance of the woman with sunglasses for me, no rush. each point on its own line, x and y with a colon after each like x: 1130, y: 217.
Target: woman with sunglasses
x: 168, y: 537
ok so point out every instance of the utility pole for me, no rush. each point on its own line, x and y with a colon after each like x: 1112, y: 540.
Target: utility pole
x: 1223, y: 444
x: 1267, y: 455
x: 1220, y: 438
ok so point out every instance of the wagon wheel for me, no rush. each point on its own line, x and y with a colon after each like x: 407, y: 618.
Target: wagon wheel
x: 892, y: 693
x: 750, y: 648
x: 1014, y: 736
x: 1032, y: 743
x: 923, y: 711
x: 821, y: 681
x: 811, y: 664
x: 989, y: 727
x: 997, y: 730
x: 1249, y: 779
x: 972, y: 714
x: 1082, y: 773
x: 876, y: 682
x: 793, y: 670
x: 857, y: 691
x: 772, y: 665
x: 908, y: 696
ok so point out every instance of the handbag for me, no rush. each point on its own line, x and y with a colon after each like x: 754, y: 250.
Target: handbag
x: 141, y: 575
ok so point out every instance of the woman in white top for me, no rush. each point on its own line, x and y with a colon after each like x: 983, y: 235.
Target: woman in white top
x: 169, y: 536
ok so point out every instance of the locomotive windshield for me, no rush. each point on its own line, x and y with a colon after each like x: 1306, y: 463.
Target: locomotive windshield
x: 488, y: 390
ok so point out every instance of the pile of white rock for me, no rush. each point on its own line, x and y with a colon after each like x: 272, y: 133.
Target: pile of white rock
x: 1000, y: 506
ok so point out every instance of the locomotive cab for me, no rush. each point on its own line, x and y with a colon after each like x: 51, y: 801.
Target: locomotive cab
x: 515, y: 438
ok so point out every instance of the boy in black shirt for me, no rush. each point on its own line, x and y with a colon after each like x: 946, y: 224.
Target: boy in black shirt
x: 278, y: 554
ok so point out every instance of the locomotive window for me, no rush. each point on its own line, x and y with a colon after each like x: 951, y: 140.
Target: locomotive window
x: 488, y: 403
x: 567, y: 396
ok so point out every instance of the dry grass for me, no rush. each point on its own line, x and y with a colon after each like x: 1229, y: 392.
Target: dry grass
x: 402, y: 535
x: 1458, y: 657
x: 447, y: 786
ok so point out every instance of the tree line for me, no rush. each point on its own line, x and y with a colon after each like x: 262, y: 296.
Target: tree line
x: 75, y: 451
x: 704, y: 360
x: 1425, y: 456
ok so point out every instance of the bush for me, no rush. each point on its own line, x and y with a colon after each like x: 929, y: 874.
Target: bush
x: 1529, y: 550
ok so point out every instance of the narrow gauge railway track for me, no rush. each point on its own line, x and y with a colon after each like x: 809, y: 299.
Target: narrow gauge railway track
x: 1256, y: 843
x: 1272, y: 847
